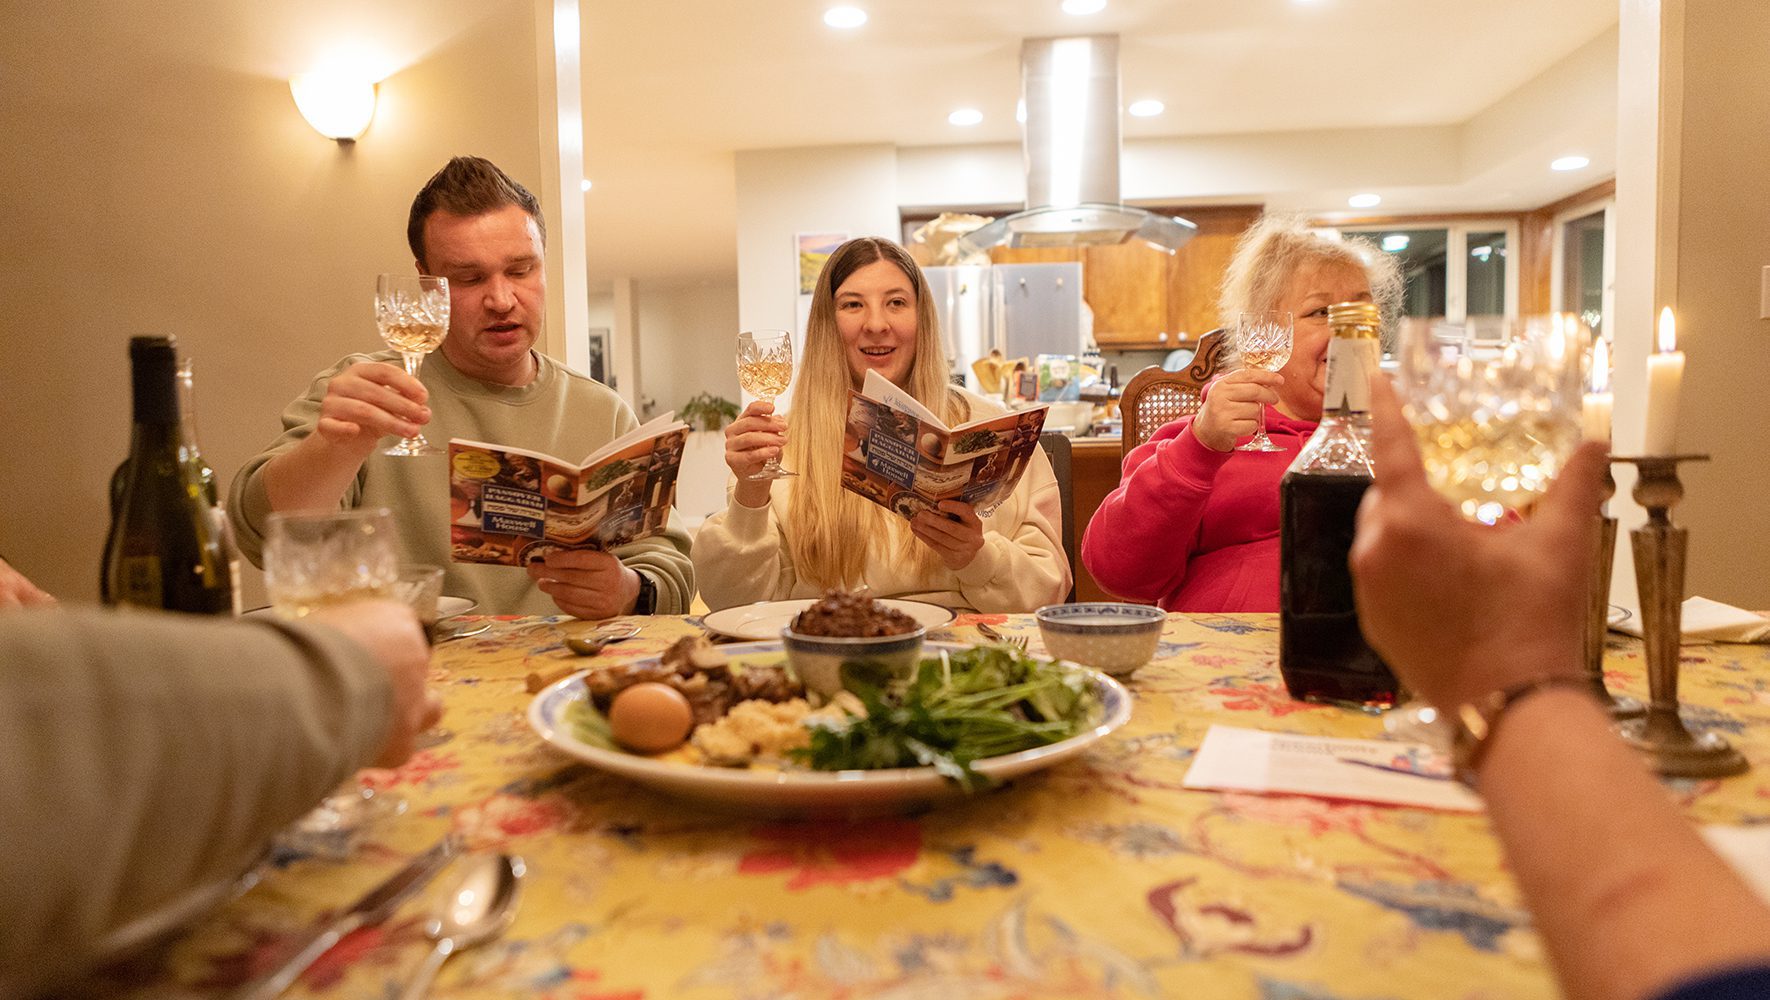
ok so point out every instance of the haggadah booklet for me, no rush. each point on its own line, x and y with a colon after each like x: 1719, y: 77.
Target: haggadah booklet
x: 899, y: 455
x: 510, y: 506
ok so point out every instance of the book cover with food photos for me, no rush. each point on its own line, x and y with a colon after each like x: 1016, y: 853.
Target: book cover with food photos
x: 509, y: 506
x: 899, y: 455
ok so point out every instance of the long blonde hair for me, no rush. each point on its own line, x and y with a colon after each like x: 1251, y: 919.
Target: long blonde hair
x: 830, y: 531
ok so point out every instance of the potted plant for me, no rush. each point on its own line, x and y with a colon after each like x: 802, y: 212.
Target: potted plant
x: 707, y: 412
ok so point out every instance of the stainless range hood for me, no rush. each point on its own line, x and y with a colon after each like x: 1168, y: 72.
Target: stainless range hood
x: 1070, y: 87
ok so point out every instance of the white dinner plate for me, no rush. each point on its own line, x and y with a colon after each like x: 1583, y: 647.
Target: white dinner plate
x: 765, y: 791
x: 765, y: 619
x: 449, y: 607
x: 446, y: 607
x: 1618, y: 615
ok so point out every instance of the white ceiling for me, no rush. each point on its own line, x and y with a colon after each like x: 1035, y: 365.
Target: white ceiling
x: 672, y: 89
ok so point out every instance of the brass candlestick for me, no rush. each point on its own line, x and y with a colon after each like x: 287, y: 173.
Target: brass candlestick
x: 1598, y: 614
x: 1659, y: 550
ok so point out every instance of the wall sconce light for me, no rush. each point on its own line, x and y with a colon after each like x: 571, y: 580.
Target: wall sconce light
x: 337, y: 105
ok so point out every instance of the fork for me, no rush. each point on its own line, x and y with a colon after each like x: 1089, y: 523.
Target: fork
x: 1018, y: 642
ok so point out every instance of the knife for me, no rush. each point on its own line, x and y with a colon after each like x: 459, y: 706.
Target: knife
x: 376, y: 906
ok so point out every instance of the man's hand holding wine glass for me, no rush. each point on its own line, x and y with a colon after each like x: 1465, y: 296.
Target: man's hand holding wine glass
x: 368, y: 401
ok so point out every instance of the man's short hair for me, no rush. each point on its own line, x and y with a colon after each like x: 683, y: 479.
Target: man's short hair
x: 468, y: 185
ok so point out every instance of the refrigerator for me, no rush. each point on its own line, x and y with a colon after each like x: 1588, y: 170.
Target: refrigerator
x: 1023, y: 310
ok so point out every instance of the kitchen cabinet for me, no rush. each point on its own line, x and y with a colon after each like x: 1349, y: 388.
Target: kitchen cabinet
x: 1143, y: 298
x: 1195, y: 271
x: 1127, y: 287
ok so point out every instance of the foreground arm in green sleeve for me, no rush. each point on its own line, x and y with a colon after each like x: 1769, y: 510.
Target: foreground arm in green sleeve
x: 148, y: 756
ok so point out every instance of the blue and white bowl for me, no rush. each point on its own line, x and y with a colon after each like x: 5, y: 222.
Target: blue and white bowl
x: 818, y: 659
x: 1110, y: 637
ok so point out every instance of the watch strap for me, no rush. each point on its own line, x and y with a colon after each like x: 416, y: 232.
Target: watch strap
x: 646, y: 603
x: 1477, y: 720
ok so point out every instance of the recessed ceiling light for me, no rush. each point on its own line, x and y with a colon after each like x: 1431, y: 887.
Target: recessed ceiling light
x: 586, y: 183
x: 1146, y: 109
x: 1080, y: 7
x: 845, y: 17
x: 965, y: 116
x: 1571, y: 163
x: 1365, y: 200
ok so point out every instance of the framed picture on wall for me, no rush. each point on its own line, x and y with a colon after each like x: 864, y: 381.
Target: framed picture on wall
x: 814, y: 249
x: 599, y: 354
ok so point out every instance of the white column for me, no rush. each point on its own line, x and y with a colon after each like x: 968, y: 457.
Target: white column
x: 562, y: 194
x: 623, y: 349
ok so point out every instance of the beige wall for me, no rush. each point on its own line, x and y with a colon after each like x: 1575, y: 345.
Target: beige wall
x: 1723, y: 240
x: 152, y: 192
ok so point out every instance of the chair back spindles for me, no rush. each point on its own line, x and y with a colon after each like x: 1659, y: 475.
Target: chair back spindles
x: 1155, y: 397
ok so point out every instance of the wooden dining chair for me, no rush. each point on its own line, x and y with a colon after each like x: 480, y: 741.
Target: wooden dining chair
x: 1155, y: 397
x: 1057, y: 449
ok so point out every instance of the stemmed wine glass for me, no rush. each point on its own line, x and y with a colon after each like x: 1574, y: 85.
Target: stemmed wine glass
x: 314, y: 559
x: 765, y: 369
x: 412, y: 312
x: 1495, y: 424
x: 1263, y: 340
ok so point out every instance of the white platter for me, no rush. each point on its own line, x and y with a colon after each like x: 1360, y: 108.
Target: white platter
x: 765, y: 619
x: 839, y: 793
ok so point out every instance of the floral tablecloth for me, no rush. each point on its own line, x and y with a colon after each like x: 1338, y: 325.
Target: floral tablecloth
x: 1099, y: 878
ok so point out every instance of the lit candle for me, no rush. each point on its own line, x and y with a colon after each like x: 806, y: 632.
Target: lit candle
x: 1665, y: 370
x: 1595, y: 414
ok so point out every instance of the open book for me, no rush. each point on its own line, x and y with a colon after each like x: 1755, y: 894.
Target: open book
x: 510, y: 506
x: 899, y: 455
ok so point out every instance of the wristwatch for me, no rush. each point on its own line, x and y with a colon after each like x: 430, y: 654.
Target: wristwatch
x: 647, y: 601
x: 1473, y: 723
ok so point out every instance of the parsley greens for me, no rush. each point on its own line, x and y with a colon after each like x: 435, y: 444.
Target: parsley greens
x: 958, y: 709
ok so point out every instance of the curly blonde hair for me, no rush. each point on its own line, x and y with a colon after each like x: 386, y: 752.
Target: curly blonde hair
x: 1272, y: 251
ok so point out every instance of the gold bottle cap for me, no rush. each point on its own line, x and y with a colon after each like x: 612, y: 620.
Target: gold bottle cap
x: 1355, y: 319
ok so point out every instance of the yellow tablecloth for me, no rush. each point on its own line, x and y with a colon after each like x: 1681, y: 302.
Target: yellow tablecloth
x: 1099, y: 878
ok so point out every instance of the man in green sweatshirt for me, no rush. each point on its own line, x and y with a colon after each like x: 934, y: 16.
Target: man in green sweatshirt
x: 475, y: 226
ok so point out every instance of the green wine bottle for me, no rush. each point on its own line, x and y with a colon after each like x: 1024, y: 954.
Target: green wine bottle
x: 164, y: 550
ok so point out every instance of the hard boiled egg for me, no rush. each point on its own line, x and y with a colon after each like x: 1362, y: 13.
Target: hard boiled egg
x: 650, y: 718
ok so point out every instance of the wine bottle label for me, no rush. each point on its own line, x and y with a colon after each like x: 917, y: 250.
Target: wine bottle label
x: 1351, y: 362
x: 138, y: 582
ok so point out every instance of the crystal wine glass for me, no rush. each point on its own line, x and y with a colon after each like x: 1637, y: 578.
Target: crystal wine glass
x: 315, y: 559
x: 1495, y: 423
x: 765, y: 369
x: 412, y: 312
x: 1263, y: 340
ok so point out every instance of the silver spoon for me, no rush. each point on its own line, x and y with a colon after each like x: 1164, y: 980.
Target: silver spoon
x: 478, y: 908
x: 592, y: 644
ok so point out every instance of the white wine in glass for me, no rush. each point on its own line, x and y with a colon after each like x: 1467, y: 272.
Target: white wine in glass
x: 1263, y: 339
x: 412, y: 313
x: 1495, y: 425
x: 765, y: 369
x: 316, y: 559
x: 312, y: 560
